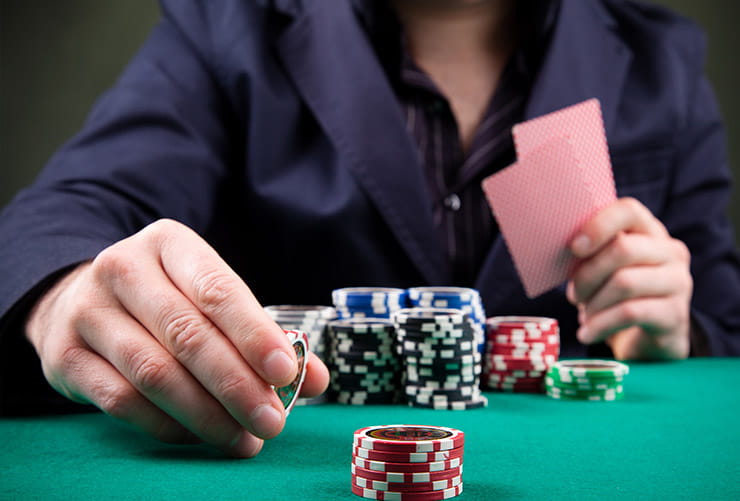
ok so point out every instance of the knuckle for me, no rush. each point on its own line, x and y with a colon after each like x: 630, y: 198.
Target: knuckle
x: 213, y: 290
x: 161, y: 227
x: 161, y: 231
x: 233, y: 387
x: 114, y: 263
x: 117, y: 401
x: 630, y: 312
x: 633, y: 205
x: 70, y: 360
x: 150, y: 372
x: 185, y: 334
x: 210, y: 426
x: 624, y: 283
x: 620, y: 248
x: 682, y: 251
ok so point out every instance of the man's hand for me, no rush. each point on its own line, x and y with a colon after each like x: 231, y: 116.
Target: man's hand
x: 159, y: 332
x: 632, y: 286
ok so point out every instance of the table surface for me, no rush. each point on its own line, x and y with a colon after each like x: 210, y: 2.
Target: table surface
x: 676, y: 435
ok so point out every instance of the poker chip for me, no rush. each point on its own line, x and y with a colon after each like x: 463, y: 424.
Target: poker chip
x: 439, y: 352
x: 461, y: 298
x: 408, y: 477
x: 312, y: 320
x: 407, y: 457
x: 289, y: 393
x: 379, y: 485
x: 415, y: 462
x: 433, y: 318
x: 383, y: 466
x: 454, y: 405
x: 519, y: 352
x: 407, y: 496
x: 405, y: 438
x: 597, y: 380
x: 368, y: 302
x: 363, y: 362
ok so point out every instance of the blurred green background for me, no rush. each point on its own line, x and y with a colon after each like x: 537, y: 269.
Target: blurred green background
x: 57, y: 56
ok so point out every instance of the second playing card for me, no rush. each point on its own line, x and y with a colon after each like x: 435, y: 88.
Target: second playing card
x: 562, y: 178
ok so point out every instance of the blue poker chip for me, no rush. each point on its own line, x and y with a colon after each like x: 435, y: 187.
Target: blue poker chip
x: 460, y: 293
x: 367, y: 296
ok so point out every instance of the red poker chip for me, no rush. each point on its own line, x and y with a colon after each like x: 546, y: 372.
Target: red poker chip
x: 506, y: 359
x: 408, y: 438
x: 407, y: 457
x: 519, y: 365
x: 407, y: 477
x: 501, y: 352
x: 521, y: 331
x: 389, y: 466
x: 550, y: 339
x: 522, y: 321
x: 522, y: 345
x: 517, y: 373
x: 407, y: 496
x: 437, y: 485
x: 498, y: 378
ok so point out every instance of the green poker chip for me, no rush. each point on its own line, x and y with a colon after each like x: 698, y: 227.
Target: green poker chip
x: 596, y: 380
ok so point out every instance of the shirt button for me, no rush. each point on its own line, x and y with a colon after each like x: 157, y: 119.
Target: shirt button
x: 452, y: 202
x: 436, y: 107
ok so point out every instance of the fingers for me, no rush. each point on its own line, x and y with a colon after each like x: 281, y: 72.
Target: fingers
x: 655, y: 328
x: 194, y: 342
x: 635, y: 282
x: 632, y: 282
x: 622, y: 261
x: 317, y: 377
x: 625, y: 215
x: 154, y: 374
x: 85, y: 377
x: 214, y: 289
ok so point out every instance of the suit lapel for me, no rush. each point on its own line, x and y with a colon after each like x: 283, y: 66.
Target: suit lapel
x: 584, y: 60
x: 337, y: 73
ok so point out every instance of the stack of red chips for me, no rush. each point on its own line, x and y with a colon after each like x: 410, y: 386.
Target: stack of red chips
x: 519, y: 351
x: 407, y: 462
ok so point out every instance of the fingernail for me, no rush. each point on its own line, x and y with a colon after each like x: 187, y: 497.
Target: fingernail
x: 245, y: 445
x: 278, y: 367
x: 266, y: 421
x: 583, y: 335
x: 581, y: 245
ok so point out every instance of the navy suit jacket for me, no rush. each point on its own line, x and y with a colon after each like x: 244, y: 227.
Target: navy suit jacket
x: 271, y: 129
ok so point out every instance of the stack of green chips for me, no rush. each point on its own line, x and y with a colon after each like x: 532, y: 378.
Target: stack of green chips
x: 600, y: 380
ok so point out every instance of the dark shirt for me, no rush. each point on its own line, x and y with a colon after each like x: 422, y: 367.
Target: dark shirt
x: 461, y: 214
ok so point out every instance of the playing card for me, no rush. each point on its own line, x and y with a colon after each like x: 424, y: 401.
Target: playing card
x: 583, y: 125
x: 562, y: 178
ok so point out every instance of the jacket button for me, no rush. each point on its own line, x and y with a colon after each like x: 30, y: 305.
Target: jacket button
x: 452, y: 202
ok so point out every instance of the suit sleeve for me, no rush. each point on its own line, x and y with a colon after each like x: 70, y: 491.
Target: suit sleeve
x: 697, y: 215
x: 156, y: 145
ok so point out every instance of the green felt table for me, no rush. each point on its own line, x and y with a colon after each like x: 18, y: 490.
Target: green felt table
x: 676, y: 435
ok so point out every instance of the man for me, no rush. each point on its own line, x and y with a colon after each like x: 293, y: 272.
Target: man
x: 275, y: 150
